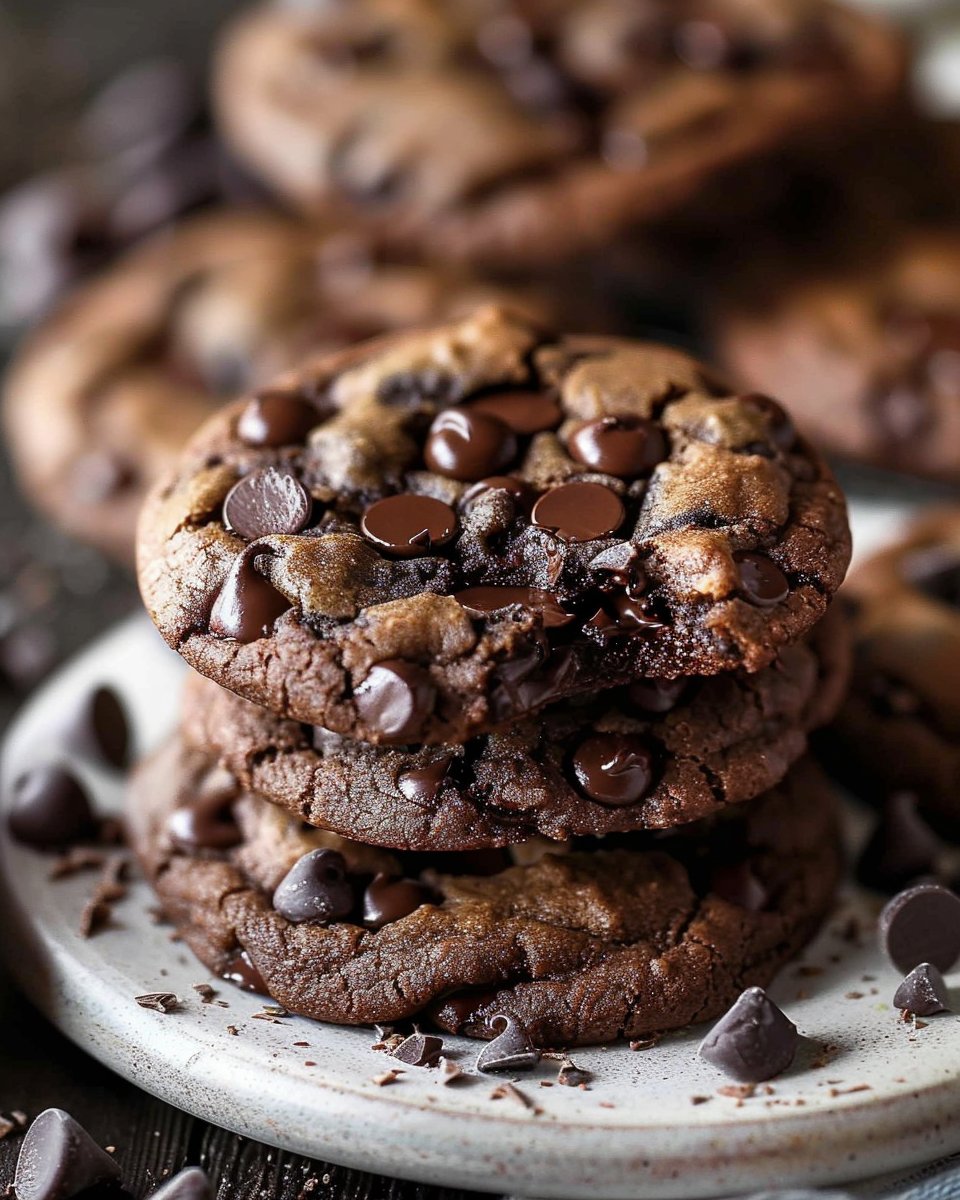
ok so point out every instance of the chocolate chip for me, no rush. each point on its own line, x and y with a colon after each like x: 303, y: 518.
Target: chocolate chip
x: 753, y: 1041
x: 510, y: 1050
x: 763, y: 583
x: 621, y: 446
x: 395, y: 699
x: 50, y: 808
x: 247, y: 604
x: 207, y: 821
x: 737, y: 884
x: 579, y: 512
x: 407, y: 526
x: 923, y: 992
x: 267, y: 501
x: 276, y: 419
x: 422, y: 784
x: 467, y: 445
x: 619, y: 565
x: 99, y: 729
x: 315, y: 889
x: 656, y: 695
x: 613, y: 768
x: 525, y: 413
x: 902, y: 847
x: 59, y: 1159
x: 521, y: 492
x: 622, y: 616
x: 782, y: 431
x: 191, y: 1183
x: 242, y: 971
x: 484, y: 601
x: 389, y: 899
x: 922, y: 924
x: 419, y: 1050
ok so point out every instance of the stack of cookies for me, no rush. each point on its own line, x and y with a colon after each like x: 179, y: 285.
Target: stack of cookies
x: 507, y: 648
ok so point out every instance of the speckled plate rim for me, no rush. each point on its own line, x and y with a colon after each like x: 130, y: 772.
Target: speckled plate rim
x: 636, y: 1133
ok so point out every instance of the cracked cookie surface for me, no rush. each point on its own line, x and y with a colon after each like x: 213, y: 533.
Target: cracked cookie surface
x: 428, y: 536
x: 582, y: 943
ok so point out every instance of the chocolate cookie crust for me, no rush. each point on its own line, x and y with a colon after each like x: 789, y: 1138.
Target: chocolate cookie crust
x: 580, y: 947
x: 523, y: 132
x: 643, y: 757
x: 500, y: 518
x: 103, y: 396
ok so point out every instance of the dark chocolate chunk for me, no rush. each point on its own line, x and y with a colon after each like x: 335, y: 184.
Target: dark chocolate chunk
x: 510, y: 1050
x: 315, y: 889
x: 737, y: 884
x: 483, y: 601
x: 191, y: 1183
x: 525, y: 413
x: 424, y: 783
x: 247, y: 605
x: 242, y: 971
x: 753, y: 1041
x: 277, y: 419
x: 763, y: 583
x: 613, y: 768
x: 922, y: 925
x: 207, y: 822
x: 579, y: 512
x: 902, y: 849
x: 622, y: 616
x: 621, y: 446
x: 50, y: 807
x: 419, y: 1050
x: 923, y: 992
x: 59, y: 1159
x: 99, y: 729
x: 389, y: 899
x: 267, y: 501
x: 406, y: 525
x: 395, y: 699
x: 467, y: 445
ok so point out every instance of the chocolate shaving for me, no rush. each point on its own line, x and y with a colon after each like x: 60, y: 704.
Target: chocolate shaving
x: 508, y: 1091
x: 109, y: 888
x: 162, y: 1002
x: 386, y: 1078
x: 205, y: 992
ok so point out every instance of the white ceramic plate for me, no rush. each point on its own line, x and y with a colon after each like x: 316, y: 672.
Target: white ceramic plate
x: 885, y: 1096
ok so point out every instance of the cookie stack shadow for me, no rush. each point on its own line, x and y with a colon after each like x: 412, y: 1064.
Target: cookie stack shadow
x: 507, y: 647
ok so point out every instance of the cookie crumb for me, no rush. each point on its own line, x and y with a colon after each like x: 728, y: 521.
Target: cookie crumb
x: 387, y: 1077
x: 205, y: 992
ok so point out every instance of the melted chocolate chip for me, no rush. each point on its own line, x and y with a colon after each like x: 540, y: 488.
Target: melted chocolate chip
x: 622, y: 616
x: 579, y: 512
x: 753, y: 1041
x: 525, y: 413
x: 737, y: 884
x: 277, y: 419
x: 50, y: 808
x: 763, y: 583
x: 191, y: 1183
x: 59, y: 1159
x: 207, y: 822
x: 615, y: 769
x: 315, y: 889
x: 99, y: 728
x: 923, y: 992
x: 419, y: 1050
x: 510, y: 1050
x: 518, y: 489
x: 242, y: 971
x: 467, y: 445
x: 247, y: 604
x: 407, y: 526
x: 656, y: 695
x: 396, y: 699
x: 621, y: 446
x: 619, y: 565
x: 922, y: 924
x: 267, y: 501
x: 423, y: 784
x: 483, y: 601
x: 388, y: 899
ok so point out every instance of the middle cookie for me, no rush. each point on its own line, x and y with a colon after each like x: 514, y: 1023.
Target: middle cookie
x: 652, y: 755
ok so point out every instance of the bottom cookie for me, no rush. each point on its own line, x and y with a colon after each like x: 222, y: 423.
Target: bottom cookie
x: 581, y: 943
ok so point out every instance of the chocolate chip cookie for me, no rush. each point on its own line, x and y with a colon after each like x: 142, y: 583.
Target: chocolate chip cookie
x: 428, y: 536
x: 579, y: 944
x: 865, y: 353
x: 899, y: 729
x: 525, y: 131
x: 105, y: 393
x: 651, y: 755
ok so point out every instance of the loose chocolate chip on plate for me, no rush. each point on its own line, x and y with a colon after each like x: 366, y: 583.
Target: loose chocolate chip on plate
x: 50, y: 807
x: 389, y: 899
x: 99, y: 728
x: 923, y: 992
x: 468, y: 445
x: 579, y: 512
x: 753, y: 1041
x: 621, y: 446
x: 922, y: 924
x: 419, y: 1050
x: 483, y: 601
x: 407, y: 526
x: 395, y: 699
x: 423, y: 783
x: 315, y: 889
x: 510, y: 1050
x: 59, y: 1159
x: 191, y: 1183
x: 267, y: 501
x: 247, y: 605
x: 277, y: 419
x: 613, y: 768
x: 763, y: 583
x: 902, y: 849
x: 525, y: 413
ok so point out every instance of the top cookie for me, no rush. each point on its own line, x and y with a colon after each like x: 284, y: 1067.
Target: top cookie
x: 429, y: 535
x: 529, y: 129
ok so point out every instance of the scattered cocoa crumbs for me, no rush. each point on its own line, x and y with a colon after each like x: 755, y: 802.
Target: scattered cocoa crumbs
x: 737, y: 1091
x: 509, y: 1091
x: 309, y: 1063
x: 387, y: 1077
x: 205, y: 992
x: 162, y: 1002
x: 233, y: 1030
x: 700, y: 1099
